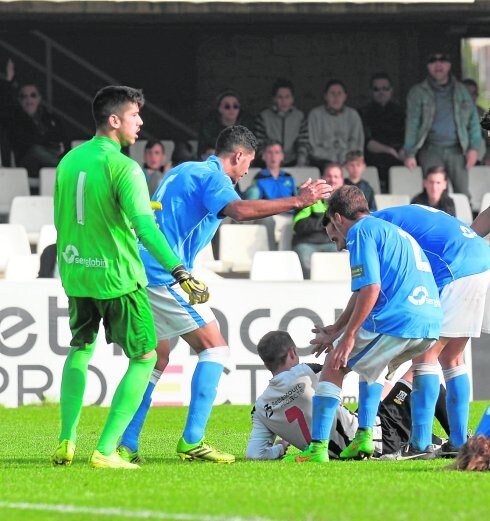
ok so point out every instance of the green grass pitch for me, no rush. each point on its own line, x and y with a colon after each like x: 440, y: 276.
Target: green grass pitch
x: 166, y: 488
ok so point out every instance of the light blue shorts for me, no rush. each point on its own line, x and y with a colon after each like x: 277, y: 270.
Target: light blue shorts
x: 172, y: 313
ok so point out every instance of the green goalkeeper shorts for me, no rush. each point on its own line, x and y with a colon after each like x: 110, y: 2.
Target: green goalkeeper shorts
x: 127, y: 320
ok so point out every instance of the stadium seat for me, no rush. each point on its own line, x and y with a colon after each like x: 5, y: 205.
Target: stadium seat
x: 77, y: 142
x: 302, y: 173
x: 371, y: 175
x: 47, y: 176
x: 13, y: 182
x: 403, y: 180
x: 47, y: 236
x: 205, y: 260
x: 22, y: 267
x: 286, y: 237
x: 479, y: 184
x: 276, y: 265
x: 463, y: 208
x: 32, y: 212
x: 330, y: 266
x: 485, y: 201
x: 13, y: 241
x: 137, y: 150
x: 389, y: 200
x: 247, y: 179
x: 238, y: 244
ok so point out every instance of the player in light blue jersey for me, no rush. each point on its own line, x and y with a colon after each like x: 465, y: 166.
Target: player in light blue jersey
x: 195, y: 196
x: 460, y: 261
x: 392, y: 316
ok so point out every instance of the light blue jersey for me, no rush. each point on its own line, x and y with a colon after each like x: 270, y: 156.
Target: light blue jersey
x: 454, y: 250
x: 408, y: 305
x: 192, y: 196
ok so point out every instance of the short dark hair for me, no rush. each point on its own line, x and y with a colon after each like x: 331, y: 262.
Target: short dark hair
x: 329, y: 166
x: 380, y: 75
x: 333, y: 82
x: 152, y: 142
x: 224, y: 94
x: 326, y: 219
x: 353, y: 155
x: 235, y: 136
x: 282, y: 83
x: 110, y: 99
x: 270, y: 143
x: 273, y: 348
x: 349, y: 202
x: 485, y: 120
x: 470, y: 82
x: 438, y: 169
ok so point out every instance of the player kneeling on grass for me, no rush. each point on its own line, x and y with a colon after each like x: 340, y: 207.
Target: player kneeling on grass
x: 392, y: 316
x: 195, y: 197
x: 98, y: 193
x: 284, y: 409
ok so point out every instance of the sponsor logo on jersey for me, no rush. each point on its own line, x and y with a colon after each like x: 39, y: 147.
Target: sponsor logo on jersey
x: 71, y: 256
x: 268, y: 410
x: 357, y: 271
x: 290, y: 396
x: 420, y: 296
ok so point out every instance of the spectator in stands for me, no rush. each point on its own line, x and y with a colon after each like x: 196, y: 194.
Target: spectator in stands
x: 284, y: 123
x: 155, y: 164
x: 484, y: 152
x: 442, y: 124
x: 435, y: 191
x: 182, y: 152
x: 384, y: 122
x: 228, y: 112
x: 334, y: 128
x: 355, y: 166
x: 35, y: 134
x: 308, y: 230
x: 272, y: 183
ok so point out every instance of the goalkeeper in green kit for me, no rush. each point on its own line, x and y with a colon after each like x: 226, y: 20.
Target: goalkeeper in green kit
x: 99, y: 193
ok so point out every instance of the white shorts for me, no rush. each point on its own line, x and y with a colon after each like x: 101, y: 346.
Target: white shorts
x: 463, y: 306
x: 374, y: 351
x: 172, y: 313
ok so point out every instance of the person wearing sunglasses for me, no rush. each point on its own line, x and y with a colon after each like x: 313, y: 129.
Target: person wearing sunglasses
x: 384, y: 122
x: 35, y: 134
x: 227, y: 112
x: 442, y: 125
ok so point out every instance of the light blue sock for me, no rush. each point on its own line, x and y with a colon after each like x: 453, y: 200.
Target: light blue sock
x: 369, y: 398
x: 457, y: 405
x: 204, y: 386
x: 132, y: 433
x: 423, y: 400
x: 325, y: 403
x: 484, y: 425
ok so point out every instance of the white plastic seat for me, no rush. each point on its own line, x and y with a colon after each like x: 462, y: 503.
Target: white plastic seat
x: 478, y: 184
x: 13, y: 182
x: 286, y: 237
x: 485, y: 201
x: 463, y: 208
x: 390, y: 200
x: 238, y: 244
x: 77, y: 142
x: 22, y: 267
x: 13, y: 241
x: 276, y: 265
x: 47, y: 176
x: 404, y: 180
x: 205, y: 260
x: 32, y: 212
x: 331, y: 266
x: 371, y: 175
x: 137, y: 151
x: 303, y: 173
x: 47, y: 236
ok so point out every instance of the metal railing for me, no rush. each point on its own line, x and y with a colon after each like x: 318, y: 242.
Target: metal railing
x: 51, y: 77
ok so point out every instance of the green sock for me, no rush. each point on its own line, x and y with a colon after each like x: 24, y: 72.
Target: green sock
x: 72, y: 390
x: 125, y: 403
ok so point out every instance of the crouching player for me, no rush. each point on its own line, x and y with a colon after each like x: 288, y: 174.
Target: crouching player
x: 392, y: 316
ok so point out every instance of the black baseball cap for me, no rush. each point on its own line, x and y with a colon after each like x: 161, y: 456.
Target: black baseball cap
x: 438, y: 57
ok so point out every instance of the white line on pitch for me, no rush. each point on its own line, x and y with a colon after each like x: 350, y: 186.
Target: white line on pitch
x: 136, y: 514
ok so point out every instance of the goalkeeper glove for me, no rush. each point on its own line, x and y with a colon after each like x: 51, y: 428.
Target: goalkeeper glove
x: 198, y: 291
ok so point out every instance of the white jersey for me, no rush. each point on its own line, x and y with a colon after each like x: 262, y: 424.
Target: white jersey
x: 285, y: 410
